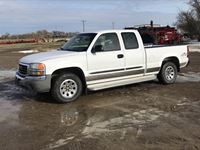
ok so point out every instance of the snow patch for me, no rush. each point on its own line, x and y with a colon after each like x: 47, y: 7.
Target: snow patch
x: 99, y: 126
x: 189, y: 77
x: 27, y: 51
x: 70, y: 117
x: 5, y: 74
x: 60, y: 142
x: 194, y: 50
x: 9, y: 111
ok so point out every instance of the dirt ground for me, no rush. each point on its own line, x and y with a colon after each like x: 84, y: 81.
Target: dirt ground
x: 135, y: 117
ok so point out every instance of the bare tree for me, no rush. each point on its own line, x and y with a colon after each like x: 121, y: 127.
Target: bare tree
x: 189, y: 21
x: 42, y: 35
x: 195, y: 7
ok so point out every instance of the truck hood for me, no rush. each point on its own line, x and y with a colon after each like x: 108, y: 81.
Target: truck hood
x: 39, y: 57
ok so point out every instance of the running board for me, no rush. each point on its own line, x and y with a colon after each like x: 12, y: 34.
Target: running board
x: 120, y: 82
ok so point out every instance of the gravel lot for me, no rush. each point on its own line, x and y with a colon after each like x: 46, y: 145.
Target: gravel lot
x: 140, y: 116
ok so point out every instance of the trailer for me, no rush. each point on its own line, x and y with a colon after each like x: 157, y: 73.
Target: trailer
x: 159, y: 35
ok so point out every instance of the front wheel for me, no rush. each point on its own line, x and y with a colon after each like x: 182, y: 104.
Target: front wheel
x: 66, y: 88
x: 168, y: 73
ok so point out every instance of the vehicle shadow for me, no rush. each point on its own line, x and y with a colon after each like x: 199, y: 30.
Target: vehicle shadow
x: 10, y: 91
x: 127, y: 87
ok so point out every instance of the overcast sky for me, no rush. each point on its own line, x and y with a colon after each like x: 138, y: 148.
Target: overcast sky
x: 22, y: 16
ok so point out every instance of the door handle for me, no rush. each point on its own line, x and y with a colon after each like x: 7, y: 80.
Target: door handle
x: 120, y: 56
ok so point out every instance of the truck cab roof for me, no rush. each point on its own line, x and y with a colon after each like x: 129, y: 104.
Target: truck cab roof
x: 107, y: 31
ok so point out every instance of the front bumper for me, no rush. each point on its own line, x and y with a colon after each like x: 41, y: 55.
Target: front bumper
x: 39, y: 84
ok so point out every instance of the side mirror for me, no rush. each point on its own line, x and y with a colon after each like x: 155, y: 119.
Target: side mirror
x: 97, y: 48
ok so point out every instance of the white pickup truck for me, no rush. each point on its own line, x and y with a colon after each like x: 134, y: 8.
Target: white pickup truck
x: 99, y: 60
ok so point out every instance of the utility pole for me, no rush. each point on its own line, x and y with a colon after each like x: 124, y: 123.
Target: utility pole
x: 83, y: 22
x: 113, y: 25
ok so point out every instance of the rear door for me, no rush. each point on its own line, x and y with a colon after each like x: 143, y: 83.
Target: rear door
x: 134, y: 53
x: 109, y: 59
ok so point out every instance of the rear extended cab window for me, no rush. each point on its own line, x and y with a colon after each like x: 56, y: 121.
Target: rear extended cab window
x: 130, y: 40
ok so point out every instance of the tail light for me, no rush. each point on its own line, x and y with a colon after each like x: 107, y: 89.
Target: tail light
x: 188, y: 50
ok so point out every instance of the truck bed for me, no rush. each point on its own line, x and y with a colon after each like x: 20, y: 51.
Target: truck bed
x: 156, y: 54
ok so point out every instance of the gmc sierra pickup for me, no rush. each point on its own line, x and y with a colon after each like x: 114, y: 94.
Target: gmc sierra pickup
x: 99, y: 60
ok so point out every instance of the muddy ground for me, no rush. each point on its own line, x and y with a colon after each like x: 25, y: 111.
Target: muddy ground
x: 140, y: 116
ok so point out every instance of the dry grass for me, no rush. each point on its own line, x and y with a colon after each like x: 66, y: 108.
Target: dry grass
x: 34, y: 46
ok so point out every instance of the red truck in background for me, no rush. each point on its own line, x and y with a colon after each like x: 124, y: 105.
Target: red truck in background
x: 155, y: 34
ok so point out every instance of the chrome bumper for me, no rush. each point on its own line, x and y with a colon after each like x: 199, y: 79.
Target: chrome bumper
x: 18, y: 76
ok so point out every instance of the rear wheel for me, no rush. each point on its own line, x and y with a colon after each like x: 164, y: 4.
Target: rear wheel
x: 168, y: 73
x: 66, y: 88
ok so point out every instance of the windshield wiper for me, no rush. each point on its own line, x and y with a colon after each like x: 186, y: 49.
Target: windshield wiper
x: 72, y: 50
x: 61, y: 48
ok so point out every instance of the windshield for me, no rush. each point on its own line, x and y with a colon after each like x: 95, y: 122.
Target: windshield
x: 79, y: 43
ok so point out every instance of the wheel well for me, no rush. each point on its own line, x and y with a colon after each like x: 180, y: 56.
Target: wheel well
x: 175, y: 60
x: 74, y: 70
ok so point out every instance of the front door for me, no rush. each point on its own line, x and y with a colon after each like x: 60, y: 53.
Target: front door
x: 106, y: 56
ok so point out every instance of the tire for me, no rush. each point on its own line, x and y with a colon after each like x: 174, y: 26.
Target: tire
x: 66, y: 88
x: 168, y: 73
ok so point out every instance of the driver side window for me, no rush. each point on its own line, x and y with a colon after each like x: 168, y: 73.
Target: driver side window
x: 107, y: 42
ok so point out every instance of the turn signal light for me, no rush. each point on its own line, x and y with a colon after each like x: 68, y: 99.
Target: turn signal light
x: 41, y: 67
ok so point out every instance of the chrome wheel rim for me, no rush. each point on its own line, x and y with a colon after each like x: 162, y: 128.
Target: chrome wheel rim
x: 68, y: 88
x: 169, y: 73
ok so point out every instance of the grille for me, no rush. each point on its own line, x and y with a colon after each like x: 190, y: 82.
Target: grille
x: 22, y: 69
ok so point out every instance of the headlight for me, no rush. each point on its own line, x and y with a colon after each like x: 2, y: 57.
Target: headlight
x: 37, y: 69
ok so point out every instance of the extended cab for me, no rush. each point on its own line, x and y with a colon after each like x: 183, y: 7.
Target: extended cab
x: 97, y: 61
